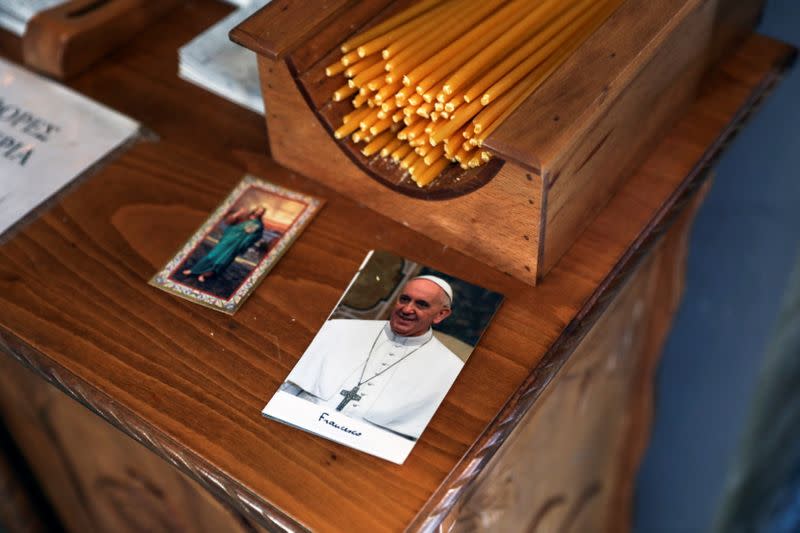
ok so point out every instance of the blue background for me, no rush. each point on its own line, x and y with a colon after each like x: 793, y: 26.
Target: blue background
x: 743, y: 248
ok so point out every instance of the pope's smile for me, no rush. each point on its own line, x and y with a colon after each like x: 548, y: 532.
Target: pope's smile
x: 408, y: 317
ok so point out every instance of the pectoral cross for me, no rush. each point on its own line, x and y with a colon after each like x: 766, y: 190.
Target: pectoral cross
x: 349, y: 396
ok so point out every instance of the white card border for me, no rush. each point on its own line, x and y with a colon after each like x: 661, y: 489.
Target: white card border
x: 289, y: 409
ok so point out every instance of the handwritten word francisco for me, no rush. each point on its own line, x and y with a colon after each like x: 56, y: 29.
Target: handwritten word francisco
x: 324, y: 418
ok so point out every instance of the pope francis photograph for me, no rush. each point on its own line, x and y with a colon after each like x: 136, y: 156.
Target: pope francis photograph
x: 390, y: 373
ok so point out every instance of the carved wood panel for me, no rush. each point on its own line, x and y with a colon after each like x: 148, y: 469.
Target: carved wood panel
x: 96, y: 477
x: 569, y: 464
x: 18, y: 507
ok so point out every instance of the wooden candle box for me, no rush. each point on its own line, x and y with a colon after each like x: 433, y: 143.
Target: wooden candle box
x: 557, y: 159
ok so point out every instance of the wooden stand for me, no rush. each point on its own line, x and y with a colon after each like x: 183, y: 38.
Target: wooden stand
x: 558, y: 158
x: 560, y: 359
x: 67, y: 39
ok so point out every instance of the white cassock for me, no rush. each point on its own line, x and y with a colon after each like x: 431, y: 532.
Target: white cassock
x: 412, y: 374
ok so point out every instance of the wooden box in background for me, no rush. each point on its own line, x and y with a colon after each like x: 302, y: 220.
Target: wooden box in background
x: 65, y: 40
x: 557, y: 159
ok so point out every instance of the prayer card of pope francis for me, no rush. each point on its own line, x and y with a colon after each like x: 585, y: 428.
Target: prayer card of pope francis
x: 383, y: 361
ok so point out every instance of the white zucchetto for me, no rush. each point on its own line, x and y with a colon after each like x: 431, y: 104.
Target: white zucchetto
x: 448, y: 290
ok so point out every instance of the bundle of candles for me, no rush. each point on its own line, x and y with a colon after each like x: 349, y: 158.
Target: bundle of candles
x: 432, y: 82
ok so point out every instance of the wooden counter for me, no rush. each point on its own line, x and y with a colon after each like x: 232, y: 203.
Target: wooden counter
x: 189, y: 383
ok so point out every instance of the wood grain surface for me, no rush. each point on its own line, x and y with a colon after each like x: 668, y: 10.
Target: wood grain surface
x: 592, y: 81
x: 593, y: 147
x: 286, y: 24
x: 189, y: 383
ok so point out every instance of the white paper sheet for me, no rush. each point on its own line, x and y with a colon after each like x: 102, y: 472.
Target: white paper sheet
x: 337, y: 427
x: 215, y: 63
x: 48, y: 136
x: 15, y: 14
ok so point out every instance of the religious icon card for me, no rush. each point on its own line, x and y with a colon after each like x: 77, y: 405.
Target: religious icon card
x: 235, y: 248
x: 386, y: 357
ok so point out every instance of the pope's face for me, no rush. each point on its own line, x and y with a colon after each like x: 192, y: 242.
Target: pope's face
x: 421, y: 303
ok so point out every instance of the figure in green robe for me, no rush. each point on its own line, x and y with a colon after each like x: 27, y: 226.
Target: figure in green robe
x: 244, y: 230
